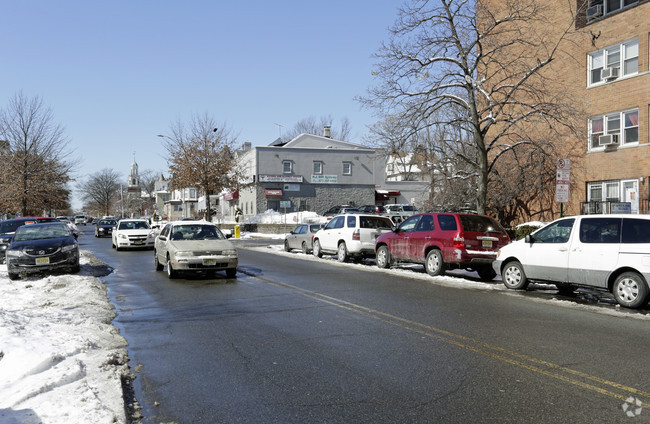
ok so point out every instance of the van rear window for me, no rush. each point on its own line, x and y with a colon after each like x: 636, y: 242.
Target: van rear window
x: 480, y: 224
x: 600, y: 230
x: 636, y: 230
x: 375, y: 222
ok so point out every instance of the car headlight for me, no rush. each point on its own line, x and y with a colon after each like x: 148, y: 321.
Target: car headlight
x: 14, y: 253
x: 183, y: 253
x: 152, y: 235
x: 122, y: 236
x: 229, y: 252
x: 69, y: 248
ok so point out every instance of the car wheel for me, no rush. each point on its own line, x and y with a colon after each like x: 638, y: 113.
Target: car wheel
x: 171, y: 272
x: 342, y: 252
x: 231, y: 272
x: 630, y: 290
x: 486, y: 273
x: 14, y: 276
x: 317, y: 252
x: 305, y: 249
x: 434, y: 264
x: 75, y: 269
x: 383, y: 257
x: 514, y: 276
x: 286, y: 246
x: 159, y: 266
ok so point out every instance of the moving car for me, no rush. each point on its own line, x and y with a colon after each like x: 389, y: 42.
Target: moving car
x: 194, y: 246
x: 350, y: 236
x: 104, y: 227
x: 132, y: 233
x: 80, y: 219
x: 301, y: 237
x: 611, y: 252
x: 444, y: 240
x: 42, y: 247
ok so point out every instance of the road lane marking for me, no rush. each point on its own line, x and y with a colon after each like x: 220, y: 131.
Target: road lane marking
x: 539, y: 366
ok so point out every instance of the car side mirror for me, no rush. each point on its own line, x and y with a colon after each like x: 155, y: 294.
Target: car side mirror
x: 529, y: 238
x: 394, y: 229
x: 163, y: 238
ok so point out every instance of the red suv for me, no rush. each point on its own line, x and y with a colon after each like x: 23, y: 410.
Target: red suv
x: 442, y: 241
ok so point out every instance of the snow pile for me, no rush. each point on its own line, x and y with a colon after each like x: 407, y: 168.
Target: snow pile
x: 274, y: 217
x: 61, y: 359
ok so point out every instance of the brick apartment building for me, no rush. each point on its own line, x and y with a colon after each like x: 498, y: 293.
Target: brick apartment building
x: 616, y: 92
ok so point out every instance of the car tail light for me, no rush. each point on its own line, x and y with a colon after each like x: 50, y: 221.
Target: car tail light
x: 356, y: 235
x: 459, y: 240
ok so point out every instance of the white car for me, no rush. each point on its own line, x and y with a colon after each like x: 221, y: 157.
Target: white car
x: 611, y: 252
x: 130, y: 233
x: 350, y: 235
x: 194, y: 246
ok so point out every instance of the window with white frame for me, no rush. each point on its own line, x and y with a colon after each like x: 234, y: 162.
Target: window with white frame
x: 287, y: 167
x: 624, y: 125
x: 603, y: 191
x: 318, y: 167
x: 613, y: 62
x: 347, y: 168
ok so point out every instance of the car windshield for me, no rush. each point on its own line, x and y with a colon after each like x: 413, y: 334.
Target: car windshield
x: 10, y: 226
x: 134, y: 225
x: 196, y: 232
x: 38, y: 232
x: 409, y: 208
x: 106, y: 222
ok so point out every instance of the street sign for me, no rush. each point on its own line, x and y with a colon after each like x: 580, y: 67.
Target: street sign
x: 562, y: 177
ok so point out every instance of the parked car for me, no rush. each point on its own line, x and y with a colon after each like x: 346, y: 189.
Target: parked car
x: 196, y: 246
x: 7, y: 229
x: 442, y: 241
x: 301, y: 238
x: 42, y: 247
x: 350, y: 236
x: 130, y: 233
x: 341, y: 209
x: 104, y: 227
x: 401, y: 209
x: 610, y: 252
x: 372, y: 209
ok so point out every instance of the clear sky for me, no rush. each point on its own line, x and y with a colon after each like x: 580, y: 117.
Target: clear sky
x: 117, y: 73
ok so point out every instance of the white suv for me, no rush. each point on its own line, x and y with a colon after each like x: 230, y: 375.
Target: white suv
x: 350, y: 235
x: 611, y: 252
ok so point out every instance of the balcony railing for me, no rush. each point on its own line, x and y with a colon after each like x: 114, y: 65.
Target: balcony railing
x: 611, y: 206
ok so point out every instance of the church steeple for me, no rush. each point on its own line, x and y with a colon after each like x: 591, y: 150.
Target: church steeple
x: 134, y: 178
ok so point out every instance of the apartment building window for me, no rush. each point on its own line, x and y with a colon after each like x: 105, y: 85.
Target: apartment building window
x: 347, y: 168
x: 614, y: 62
x: 318, y: 167
x: 287, y: 167
x: 624, y: 126
x: 599, y: 8
x: 192, y: 193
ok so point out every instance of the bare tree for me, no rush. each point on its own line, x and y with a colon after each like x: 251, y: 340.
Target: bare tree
x: 313, y: 126
x: 201, y: 156
x: 34, y: 156
x: 101, y: 189
x: 487, y: 64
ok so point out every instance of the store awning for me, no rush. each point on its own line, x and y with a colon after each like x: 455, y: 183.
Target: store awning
x: 386, y: 194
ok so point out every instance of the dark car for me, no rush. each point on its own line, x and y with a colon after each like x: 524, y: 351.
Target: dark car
x: 339, y: 210
x: 444, y: 240
x: 7, y: 229
x: 42, y: 247
x: 104, y: 227
x: 372, y: 209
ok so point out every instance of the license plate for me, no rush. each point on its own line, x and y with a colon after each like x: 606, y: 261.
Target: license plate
x: 210, y: 262
x: 137, y: 242
x: 487, y: 243
x: 42, y: 261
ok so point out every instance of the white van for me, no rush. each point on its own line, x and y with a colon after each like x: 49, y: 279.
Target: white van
x: 611, y: 252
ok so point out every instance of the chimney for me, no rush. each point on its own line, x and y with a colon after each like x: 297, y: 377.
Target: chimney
x: 326, y: 131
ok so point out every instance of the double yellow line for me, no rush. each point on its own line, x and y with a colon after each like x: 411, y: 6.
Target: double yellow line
x: 549, y: 369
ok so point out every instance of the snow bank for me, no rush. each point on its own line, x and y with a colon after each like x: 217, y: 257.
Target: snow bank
x: 61, y: 359
x: 274, y: 217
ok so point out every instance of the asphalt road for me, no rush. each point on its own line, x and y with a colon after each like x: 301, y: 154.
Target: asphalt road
x: 295, y: 340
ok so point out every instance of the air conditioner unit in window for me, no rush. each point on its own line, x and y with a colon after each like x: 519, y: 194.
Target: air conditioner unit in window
x: 609, y: 74
x: 595, y: 11
x: 608, y: 140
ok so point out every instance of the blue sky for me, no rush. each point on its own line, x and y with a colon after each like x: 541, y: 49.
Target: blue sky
x: 117, y: 73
